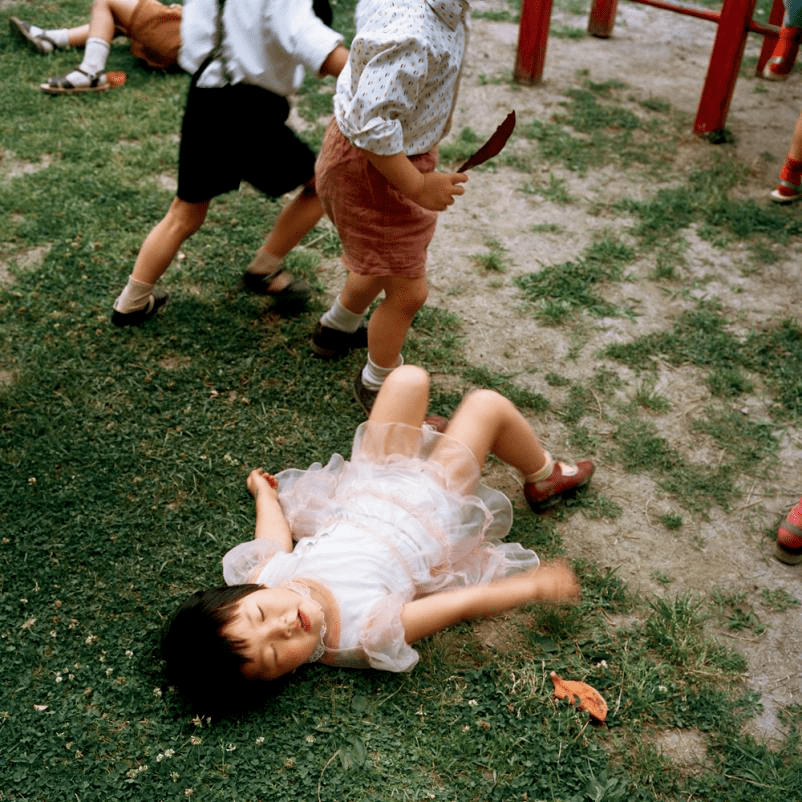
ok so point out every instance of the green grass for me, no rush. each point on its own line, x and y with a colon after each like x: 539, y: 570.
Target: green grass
x: 124, y: 455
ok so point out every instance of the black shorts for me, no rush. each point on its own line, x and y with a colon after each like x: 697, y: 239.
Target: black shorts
x: 239, y: 133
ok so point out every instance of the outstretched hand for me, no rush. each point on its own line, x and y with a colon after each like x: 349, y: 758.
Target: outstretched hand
x: 555, y: 582
x: 260, y: 481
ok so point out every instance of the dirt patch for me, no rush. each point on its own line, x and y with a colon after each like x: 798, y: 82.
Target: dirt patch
x: 658, y: 55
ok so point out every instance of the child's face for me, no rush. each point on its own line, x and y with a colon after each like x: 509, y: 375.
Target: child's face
x: 280, y: 630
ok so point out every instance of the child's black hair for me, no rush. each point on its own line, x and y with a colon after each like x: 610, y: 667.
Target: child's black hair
x: 200, y: 661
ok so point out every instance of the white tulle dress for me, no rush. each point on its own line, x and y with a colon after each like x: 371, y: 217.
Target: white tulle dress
x: 406, y: 516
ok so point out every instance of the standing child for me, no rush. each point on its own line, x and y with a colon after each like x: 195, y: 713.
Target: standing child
x: 246, y: 57
x: 398, y: 543
x: 376, y: 175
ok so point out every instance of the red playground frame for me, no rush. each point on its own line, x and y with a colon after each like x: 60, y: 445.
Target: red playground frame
x: 734, y: 24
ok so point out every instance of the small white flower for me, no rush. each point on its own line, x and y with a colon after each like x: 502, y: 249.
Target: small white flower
x: 32, y: 480
x: 310, y: 739
x: 231, y: 748
x: 260, y: 740
x: 129, y: 653
x: 472, y: 703
x: 157, y: 692
x: 59, y: 678
x: 195, y: 741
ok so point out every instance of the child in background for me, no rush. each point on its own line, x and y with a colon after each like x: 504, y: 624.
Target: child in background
x: 789, y: 537
x: 779, y: 66
x: 789, y: 184
x: 153, y: 28
x: 353, y: 562
x: 245, y: 60
x: 376, y: 177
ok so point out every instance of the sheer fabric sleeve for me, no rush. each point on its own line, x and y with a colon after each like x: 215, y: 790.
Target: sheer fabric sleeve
x: 244, y: 563
x: 383, y: 637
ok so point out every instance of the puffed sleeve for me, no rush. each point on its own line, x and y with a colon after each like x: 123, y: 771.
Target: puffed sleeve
x: 383, y: 637
x: 244, y: 563
x: 375, y: 102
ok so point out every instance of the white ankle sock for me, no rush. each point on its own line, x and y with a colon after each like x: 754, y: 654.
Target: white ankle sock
x: 543, y: 473
x: 373, y: 375
x: 95, y: 55
x: 134, y: 296
x: 59, y: 36
x: 341, y: 318
x: 264, y: 263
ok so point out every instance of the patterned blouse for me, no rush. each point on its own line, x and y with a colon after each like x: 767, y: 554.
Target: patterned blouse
x: 398, y: 90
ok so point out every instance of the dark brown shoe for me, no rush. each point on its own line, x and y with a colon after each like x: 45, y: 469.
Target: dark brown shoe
x: 158, y: 298
x: 329, y: 343
x: 363, y: 395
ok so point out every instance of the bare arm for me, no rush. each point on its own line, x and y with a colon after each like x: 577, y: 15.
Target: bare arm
x: 271, y: 524
x: 552, y: 582
x: 434, y: 191
x: 334, y: 62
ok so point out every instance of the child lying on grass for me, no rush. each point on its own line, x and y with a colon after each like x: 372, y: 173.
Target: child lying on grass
x: 353, y: 562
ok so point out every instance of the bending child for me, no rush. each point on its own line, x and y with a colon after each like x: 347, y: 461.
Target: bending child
x: 376, y: 173
x: 153, y: 28
x: 245, y: 61
x: 353, y: 562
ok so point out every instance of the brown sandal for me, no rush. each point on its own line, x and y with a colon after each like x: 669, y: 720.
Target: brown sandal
x: 295, y: 294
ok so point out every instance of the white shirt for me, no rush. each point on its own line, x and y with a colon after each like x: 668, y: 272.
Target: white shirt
x: 268, y: 43
x: 398, y: 90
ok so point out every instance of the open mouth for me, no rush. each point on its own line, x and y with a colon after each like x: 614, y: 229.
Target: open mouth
x: 305, y: 623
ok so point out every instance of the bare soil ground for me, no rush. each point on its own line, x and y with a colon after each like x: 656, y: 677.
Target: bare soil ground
x: 658, y: 55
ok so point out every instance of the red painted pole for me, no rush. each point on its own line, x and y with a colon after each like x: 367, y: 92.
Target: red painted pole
x: 533, y: 35
x: 602, y: 18
x: 725, y: 61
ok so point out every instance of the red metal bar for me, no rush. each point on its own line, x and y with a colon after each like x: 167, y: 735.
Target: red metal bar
x: 533, y: 35
x: 725, y: 61
x: 602, y: 18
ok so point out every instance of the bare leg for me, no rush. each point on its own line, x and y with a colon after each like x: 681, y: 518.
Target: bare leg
x: 795, y: 149
x: 292, y: 225
x: 182, y: 220
x: 487, y: 422
x: 389, y: 323
x: 77, y: 36
x: 403, y: 398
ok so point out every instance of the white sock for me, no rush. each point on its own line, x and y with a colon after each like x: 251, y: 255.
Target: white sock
x: 341, y: 318
x: 59, y: 36
x: 543, y: 473
x: 264, y: 263
x: 134, y: 296
x: 95, y: 55
x: 373, y: 375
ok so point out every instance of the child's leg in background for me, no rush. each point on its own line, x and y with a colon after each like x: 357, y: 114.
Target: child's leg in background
x: 387, y: 330
x: 789, y: 187
x: 296, y: 220
x: 157, y: 252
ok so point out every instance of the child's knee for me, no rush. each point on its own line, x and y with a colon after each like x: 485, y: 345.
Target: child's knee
x: 409, y: 378
x: 186, y: 218
x: 408, y: 300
